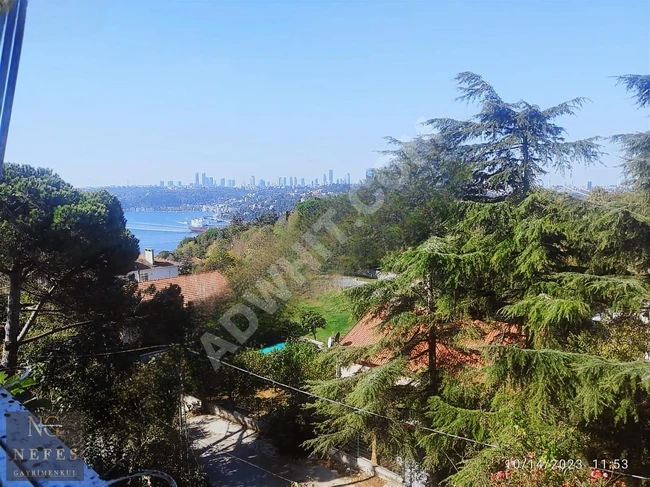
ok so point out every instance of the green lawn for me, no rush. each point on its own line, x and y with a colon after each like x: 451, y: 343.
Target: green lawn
x: 334, y: 308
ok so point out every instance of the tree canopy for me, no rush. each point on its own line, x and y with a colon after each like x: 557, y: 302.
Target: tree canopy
x: 509, y: 145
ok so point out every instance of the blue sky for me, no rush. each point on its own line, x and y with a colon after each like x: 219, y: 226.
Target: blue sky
x: 111, y: 91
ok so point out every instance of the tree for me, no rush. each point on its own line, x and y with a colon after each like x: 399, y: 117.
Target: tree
x: 310, y: 321
x: 640, y: 85
x: 61, y: 250
x: 636, y: 147
x: 510, y: 145
x: 419, y: 322
x: 548, y: 265
x: 128, y: 404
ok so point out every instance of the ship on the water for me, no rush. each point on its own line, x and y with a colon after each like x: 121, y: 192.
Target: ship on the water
x: 202, y: 225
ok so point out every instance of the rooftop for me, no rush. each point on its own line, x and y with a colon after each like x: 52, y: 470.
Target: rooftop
x: 367, y: 332
x: 194, y: 287
x: 142, y: 264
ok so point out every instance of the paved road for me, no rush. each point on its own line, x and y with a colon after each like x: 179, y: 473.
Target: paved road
x: 236, y: 457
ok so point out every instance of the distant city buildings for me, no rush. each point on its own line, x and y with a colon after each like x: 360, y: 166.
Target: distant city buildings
x: 202, y: 180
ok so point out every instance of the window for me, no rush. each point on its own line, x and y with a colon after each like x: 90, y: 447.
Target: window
x: 145, y: 277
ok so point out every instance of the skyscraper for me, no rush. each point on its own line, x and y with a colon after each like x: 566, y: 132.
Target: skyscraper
x: 170, y: 184
x: 290, y: 180
x: 196, y: 179
x: 316, y: 181
x: 203, y: 179
x: 284, y: 181
x: 222, y: 183
x: 348, y: 177
x: 302, y: 181
x: 162, y: 184
x: 589, y: 185
x: 324, y: 179
x: 331, y: 176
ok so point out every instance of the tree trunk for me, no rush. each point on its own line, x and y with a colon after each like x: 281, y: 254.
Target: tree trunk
x: 12, y: 326
x: 526, y: 173
x: 433, y: 369
x: 373, y: 449
x: 432, y: 340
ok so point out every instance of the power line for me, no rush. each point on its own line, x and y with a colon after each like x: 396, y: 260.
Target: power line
x: 406, y: 423
x: 358, y: 409
x: 209, y: 446
x: 161, y: 348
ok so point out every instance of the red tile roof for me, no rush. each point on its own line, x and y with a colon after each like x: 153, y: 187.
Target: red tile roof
x: 194, y: 287
x: 368, y: 332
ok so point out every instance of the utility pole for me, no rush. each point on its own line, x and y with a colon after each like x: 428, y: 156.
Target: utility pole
x: 12, y: 24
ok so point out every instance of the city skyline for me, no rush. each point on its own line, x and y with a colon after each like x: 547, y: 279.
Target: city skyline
x: 202, y: 179
x: 254, y: 86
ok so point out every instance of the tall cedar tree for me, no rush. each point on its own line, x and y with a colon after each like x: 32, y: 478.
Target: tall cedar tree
x: 636, y: 147
x: 510, y: 145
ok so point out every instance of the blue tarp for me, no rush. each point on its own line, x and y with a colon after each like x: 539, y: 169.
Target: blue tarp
x: 273, y: 348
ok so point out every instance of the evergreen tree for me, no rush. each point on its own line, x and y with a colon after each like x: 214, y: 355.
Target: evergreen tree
x: 510, y: 145
x: 61, y: 249
x: 636, y: 147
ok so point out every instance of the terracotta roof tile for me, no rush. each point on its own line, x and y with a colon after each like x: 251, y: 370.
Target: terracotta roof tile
x: 367, y: 332
x: 194, y: 287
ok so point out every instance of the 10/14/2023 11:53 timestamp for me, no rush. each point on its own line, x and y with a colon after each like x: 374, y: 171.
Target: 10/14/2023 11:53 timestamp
x: 566, y: 464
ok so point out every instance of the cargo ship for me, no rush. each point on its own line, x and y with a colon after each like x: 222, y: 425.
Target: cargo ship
x: 202, y: 225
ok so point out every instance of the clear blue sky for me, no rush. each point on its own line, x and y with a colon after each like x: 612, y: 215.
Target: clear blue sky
x: 111, y: 91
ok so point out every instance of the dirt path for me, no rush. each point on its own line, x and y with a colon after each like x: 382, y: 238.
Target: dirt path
x: 237, y: 457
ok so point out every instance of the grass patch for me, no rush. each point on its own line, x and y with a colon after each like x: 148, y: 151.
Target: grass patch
x: 334, y: 308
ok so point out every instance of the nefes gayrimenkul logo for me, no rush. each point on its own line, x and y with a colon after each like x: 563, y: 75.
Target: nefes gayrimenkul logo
x: 37, y: 451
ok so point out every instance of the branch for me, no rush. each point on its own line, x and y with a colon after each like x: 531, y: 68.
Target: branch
x: 56, y: 330
x: 34, y: 314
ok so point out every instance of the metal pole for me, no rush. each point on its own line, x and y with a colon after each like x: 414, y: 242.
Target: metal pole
x: 9, y: 62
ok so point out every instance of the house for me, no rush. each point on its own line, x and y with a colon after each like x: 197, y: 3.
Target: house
x: 147, y: 268
x: 194, y: 287
x: 367, y: 333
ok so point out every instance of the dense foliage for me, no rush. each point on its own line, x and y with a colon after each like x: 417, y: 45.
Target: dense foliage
x: 513, y: 321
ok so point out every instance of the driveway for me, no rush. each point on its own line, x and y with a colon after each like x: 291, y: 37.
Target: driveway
x: 236, y: 457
